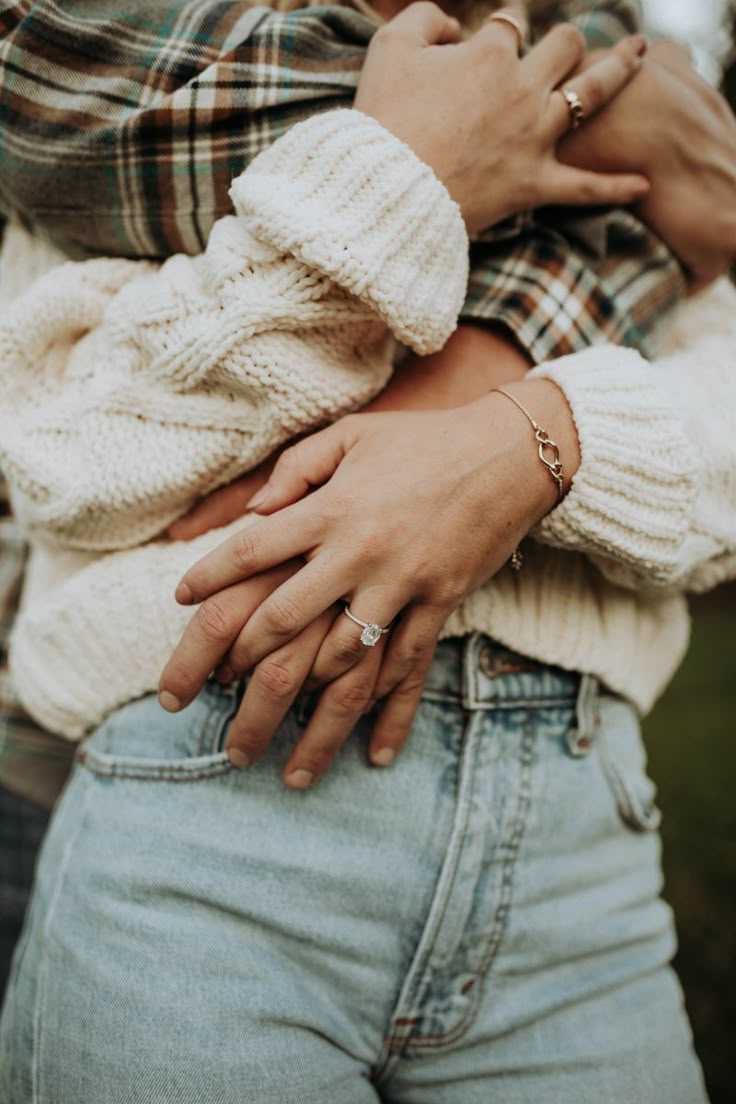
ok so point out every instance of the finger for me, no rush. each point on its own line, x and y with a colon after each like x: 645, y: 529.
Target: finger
x: 341, y: 706
x: 555, y: 56
x: 285, y: 613
x: 511, y: 23
x: 209, y: 635
x: 578, y: 187
x: 222, y: 506
x: 344, y: 646
x: 413, y: 639
x: 423, y: 23
x: 598, y: 84
x: 397, y: 715
x: 271, y: 691
x: 304, y: 466
x: 257, y: 547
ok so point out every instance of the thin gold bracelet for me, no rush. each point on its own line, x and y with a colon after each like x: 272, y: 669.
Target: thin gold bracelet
x: 553, y: 466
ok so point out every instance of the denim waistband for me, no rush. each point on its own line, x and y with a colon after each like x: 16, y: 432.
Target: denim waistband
x: 479, y: 672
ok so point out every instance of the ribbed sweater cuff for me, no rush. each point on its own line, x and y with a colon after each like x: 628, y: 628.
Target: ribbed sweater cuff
x: 631, y: 499
x: 380, y: 223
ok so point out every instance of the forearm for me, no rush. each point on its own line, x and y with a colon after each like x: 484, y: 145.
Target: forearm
x: 473, y: 361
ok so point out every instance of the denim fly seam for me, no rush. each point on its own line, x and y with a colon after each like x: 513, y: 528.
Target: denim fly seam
x: 444, y: 986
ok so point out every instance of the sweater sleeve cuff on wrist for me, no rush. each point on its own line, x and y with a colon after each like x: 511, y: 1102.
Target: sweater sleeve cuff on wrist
x: 380, y: 223
x: 631, y: 499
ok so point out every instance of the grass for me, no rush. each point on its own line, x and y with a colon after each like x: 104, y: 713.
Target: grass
x: 691, y: 739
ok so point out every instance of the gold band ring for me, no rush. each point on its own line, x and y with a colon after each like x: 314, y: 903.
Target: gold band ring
x: 574, y: 106
x: 512, y: 21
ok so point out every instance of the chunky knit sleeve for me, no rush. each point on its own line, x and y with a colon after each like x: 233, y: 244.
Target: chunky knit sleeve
x: 654, y: 501
x: 127, y: 390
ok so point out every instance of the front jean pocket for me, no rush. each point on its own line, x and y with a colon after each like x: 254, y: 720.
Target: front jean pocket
x: 622, y: 757
x: 142, y: 741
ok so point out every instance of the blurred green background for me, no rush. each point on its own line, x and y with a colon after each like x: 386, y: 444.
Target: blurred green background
x: 691, y: 735
x: 691, y: 740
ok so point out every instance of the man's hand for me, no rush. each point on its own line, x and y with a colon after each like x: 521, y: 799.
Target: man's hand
x: 678, y: 131
x: 486, y: 121
x: 401, y: 557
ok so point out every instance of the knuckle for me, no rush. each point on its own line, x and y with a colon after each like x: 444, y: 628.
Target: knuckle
x: 276, y: 680
x: 412, y: 684
x: 282, y: 617
x: 243, y: 550
x: 416, y: 650
x: 570, y: 37
x: 348, y: 649
x: 589, y: 193
x: 351, y: 699
x: 213, y: 620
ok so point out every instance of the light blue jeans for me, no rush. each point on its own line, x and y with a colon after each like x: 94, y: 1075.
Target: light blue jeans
x: 481, y: 922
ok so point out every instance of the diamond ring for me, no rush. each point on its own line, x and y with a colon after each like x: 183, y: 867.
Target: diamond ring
x: 371, y: 633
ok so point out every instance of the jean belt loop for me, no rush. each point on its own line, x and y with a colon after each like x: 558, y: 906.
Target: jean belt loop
x: 580, y: 737
x: 470, y: 689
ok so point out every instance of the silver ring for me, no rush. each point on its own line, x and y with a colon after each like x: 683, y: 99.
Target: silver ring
x: 371, y: 633
x: 512, y: 21
x: 574, y: 106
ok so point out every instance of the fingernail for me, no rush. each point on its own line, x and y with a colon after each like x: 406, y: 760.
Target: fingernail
x: 169, y: 701
x: 641, y: 44
x: 299, y: 779
x: 184, y: 595
x: 224, y: 674
x: 238, y: 757
x: 259, y: 498
x: 384, y: 757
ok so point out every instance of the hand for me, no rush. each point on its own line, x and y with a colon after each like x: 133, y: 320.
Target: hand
x: 487, y: 122
x: 474, y: 360
x: 672, y: 126
x: 474, y: 469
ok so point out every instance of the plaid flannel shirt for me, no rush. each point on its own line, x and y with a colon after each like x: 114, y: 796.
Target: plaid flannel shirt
x: 120, y: 132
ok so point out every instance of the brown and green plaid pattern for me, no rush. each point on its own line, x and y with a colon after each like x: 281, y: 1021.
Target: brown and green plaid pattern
x: 121, y: 127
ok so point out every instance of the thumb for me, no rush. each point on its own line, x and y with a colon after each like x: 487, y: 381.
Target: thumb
x: 426, y: 24
x: 299, y: 469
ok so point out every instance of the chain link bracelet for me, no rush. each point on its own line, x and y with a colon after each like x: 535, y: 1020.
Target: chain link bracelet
x: 549, y: 454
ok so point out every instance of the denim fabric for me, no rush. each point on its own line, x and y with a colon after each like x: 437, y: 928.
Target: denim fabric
x: 480, y: 922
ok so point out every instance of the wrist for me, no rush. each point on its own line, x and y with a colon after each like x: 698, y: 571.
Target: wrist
x: 548, y: 482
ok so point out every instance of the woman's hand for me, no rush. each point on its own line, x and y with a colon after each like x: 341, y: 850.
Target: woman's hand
x: 474, y: 360
x: 487, y: 122
x: 387, y: 530
x: 677, y: 130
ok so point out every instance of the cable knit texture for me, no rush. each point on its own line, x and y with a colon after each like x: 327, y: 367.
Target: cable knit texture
x: 129, y: 390
x: 650, y: 512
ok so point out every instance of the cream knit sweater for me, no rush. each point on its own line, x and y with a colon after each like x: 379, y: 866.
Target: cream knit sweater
x: 129, y: 390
